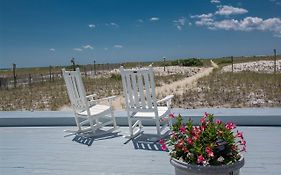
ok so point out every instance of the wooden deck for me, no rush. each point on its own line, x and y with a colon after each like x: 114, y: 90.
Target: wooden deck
x: 45, y: 150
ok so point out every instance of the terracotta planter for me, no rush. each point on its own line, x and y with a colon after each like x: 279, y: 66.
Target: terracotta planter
x: 182, y: 168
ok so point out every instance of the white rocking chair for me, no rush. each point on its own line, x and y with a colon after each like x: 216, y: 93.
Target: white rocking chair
x: 141, y: 103
x: 89, y: 114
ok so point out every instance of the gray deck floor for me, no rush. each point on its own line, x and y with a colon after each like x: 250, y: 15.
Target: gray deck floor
x: 45, y: 150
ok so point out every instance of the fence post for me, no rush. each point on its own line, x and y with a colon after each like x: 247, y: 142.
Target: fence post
x: 14, y: 73
x: 42, y: 78
x: 164, y: 63
x: 274, y: 50
x: 95, y: 70
x: 50, y: 73
x: 232, y: 63
x: 73, y: 63
x: 29, y: 79
x: 85, y: 70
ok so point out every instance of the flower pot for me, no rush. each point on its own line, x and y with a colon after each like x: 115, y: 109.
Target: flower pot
x: 182, y: 168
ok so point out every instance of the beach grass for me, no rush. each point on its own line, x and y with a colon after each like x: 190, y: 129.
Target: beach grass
x: 227, y: 89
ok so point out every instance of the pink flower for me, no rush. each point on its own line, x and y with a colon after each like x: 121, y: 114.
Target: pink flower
x: 209, y: 151
x: 243, y: 142
x: 189, y: 140
x: 164, y: 147
x: 202, y: 128
x: 185, y: 150
x: 239, y: 135
x: 203, y: 120
x: 179, y: 145
x: 218, y: 121
x: 230, y: 125
x: 200, y: 159
x: 183, y: 129
x: 195, y: 137
x: 172, y: 115
x: 206, y: 114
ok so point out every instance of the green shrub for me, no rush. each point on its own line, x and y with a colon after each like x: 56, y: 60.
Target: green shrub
x: 187, y: 62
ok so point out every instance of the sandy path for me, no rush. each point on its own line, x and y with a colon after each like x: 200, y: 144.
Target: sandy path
x: 177, y: 87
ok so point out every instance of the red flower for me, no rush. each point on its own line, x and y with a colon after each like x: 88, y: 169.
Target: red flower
x: 230, y: 125
x: 203, y: 120
x: 243, y: 142
x: 209, y: 151
x: 206, y: 114
x: 200, y: 159
x: 239, y: 135
x: 172, y: 115
x: 179, y: 145
x: 164, y: 147
x: 183, y: 129
x: 161, y: 141
x: 195, y: 137
x: 189, y: 140
x: 185, y: 150
x: 218, y: 121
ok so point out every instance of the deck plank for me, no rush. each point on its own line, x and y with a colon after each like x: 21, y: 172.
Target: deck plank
x: 45, y: 150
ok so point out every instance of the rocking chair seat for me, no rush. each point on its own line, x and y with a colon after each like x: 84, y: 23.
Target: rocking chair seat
x: 162, y: 111
x: 96, y: 110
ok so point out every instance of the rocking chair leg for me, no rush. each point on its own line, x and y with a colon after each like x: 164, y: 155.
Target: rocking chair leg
x: 158, y: 128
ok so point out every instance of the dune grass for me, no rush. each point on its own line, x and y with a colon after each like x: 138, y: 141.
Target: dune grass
x: 52, y: 95
x: 243, y: 89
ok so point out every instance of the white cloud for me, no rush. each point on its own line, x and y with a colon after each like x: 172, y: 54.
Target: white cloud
x: 112, y: 24
x: 154, y: 19
x: 92, y: 26
x: 276, y: 2
x: 246, y: 24
x: 140, y: 20
x: 105, y: 48
x: 88, y: 47
x: 209, y: 15
x: 52, y: 49
x: 204, y: 19
x: 215, y: 1
x: 180, y: 23
x: 205, y: 22
x: 118, y: 46
x: 229, y: 10
x: 78, y: 49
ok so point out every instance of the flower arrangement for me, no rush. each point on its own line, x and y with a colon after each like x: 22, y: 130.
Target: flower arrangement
x: 211, y: 143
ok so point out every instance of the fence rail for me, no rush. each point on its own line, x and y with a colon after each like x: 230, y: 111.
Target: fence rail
x: 9, y: 81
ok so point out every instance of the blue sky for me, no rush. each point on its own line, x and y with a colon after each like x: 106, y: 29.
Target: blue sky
x: 51, y: 32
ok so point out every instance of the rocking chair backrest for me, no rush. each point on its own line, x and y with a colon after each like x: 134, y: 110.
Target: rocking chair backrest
x: 139, y: 89
x: 75, y: 90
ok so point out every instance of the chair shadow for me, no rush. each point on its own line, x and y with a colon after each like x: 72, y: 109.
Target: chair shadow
x: 89, y: 138
x: 149, y: 142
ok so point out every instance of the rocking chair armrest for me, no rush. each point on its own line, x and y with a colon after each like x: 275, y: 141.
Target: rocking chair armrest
x: 91, y: 96
x: 109, y: 99
x: 166, y: 99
